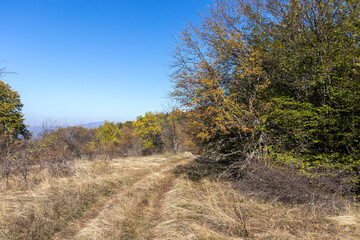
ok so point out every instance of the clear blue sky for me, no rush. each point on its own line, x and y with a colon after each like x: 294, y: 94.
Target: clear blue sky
x: 79, y: 61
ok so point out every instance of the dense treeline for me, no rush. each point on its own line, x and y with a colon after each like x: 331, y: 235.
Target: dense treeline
x: 276, y: 81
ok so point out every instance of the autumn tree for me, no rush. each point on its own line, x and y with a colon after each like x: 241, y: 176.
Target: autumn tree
x: 175, y: 132
x: 273, y: 79
x: 107, y: 139
x: 149, y: 128
x: 128, y: 140
x: 217, y: 78
x: 76, y: 138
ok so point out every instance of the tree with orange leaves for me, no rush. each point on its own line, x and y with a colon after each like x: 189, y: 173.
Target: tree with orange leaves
x: 272, y: 79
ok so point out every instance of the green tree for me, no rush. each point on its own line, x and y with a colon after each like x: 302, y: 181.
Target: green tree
x: 149, y: 128
x: 11, y: 118
x: 107, y: 137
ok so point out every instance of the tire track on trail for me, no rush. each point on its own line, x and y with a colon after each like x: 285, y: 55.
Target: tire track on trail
x: 73, y: 228
x: 129, y: 213
x: 141, y: 220
x: 156, y: 215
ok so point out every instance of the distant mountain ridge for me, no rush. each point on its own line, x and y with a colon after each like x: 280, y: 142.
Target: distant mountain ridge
x: 92, y: 125
x: 38, y: 129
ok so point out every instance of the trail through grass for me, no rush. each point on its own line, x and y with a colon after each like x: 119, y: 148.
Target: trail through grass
x: 158, y: 197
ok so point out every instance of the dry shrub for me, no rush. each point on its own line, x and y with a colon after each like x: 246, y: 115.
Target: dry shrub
x: 129, y: 142
x: 329, y: 192
x: 54, y: 150
x: 201, y: 168
x: 15, y: 161
x: 61, y: 169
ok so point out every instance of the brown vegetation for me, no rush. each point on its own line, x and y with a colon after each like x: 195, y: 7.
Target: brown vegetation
x: 54, y: 203
x: 164, y: 197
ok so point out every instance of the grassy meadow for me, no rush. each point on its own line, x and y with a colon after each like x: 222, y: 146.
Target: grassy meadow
x: 158, y: 197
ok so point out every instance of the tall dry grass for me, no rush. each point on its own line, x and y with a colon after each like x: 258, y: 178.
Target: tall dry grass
x: 133, y: 213
x: 161, y: 197
x: 45, y: 208
x: 215, y: 209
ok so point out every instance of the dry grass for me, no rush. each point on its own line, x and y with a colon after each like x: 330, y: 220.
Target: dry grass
x: 159, y: 197
x: 54, y: 203
x: 210, y: 209
x: 133, y: 213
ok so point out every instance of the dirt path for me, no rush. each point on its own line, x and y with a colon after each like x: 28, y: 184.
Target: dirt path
x: 156, y: 214
x: 131, y: 213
